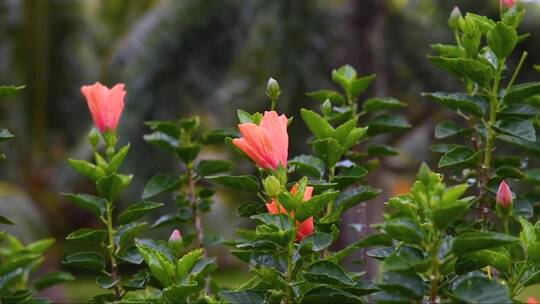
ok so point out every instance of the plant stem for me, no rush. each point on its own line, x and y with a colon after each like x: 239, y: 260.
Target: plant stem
x: 288, y: 297
x: 111, y: 248
x: 434, y: 278
x: 488, y: 152
x: 516, y: 72
x: 505, y: 224
x: 198, y: 216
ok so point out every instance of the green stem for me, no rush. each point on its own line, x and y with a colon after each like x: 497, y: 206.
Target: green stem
x: 274, y: 104
x: 435, y: 274
x: 488, y: 153
x: 505, y: 224
x: 516, y: 72
x: 111, y: 249
x: 198, y: 216
x: 288, y: 296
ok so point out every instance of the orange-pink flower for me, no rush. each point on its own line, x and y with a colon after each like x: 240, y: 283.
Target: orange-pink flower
x: 532, y: 300
x: 508, y: 3
x: 303, y: 229
x: 504, y: 195
x: 106, y: 105
x: 266, y: 144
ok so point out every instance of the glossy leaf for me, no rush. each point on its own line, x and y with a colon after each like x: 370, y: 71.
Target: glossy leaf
x: 51, y: 279
x: 458, y: 156
x: 327, y: 273
x: 89, y: 260
x: 519, y: 92
x: 90, y: 203
x: 246, y: 183
x: 160, y: 184
x: 472, y: 241
x: 481, y: 290
x: 323, y: 95
x: 387, y: 123
x: 308, y: 165
x: 502, y: 40
x: 378, y: 104
x: 404, y: 229
x: 137, y: 211
x: 315, y: 205
x: 87, y: 235
x: 214, y: 166
x: 351, y: 197
x: 87, y: 169
x: 522, y: 129
x: 472, y: 105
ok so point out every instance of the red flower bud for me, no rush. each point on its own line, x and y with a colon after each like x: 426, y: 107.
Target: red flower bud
x: 508, y: 3
x: 106, y: 105
x: 504, y: 195
x: 175, y: 236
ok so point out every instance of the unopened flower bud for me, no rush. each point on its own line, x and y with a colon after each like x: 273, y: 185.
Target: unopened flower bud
x: 272, y: 186
x: 453, y: 20
x: 175, y: 241
x: 94, y: 137
x: 504, y: 195
x: 272, y: 89
x: 508, y: 3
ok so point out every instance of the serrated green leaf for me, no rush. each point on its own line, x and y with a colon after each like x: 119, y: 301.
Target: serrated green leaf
x: 387, y: 123
x: 502, y: 40
x: 95, y: 205
x: 89, y: 260
x: 472, y: 105
x: 458, y: 156
x: 326, y: 272
x: 382, y: 103
x: 472, y: 241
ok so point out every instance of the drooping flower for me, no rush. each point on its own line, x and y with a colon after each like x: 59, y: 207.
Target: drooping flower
x: 504, y: 195
x: 508, y: 3
x: 303, y: 229
x: 106, y: 105
x: 266, y: 144
x: 532, y: 300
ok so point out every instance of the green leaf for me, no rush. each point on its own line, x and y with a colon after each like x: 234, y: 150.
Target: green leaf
x: 458, y: 156
x: 214, y: 166
x: 87, y: 235
x: 158, y: 263
x: 250, y: 208
x: 51, y: 279
x: 130, y: 255
x: 387, y: 123
x: 350, y: 176
x: 5, y: 220
x: 448, y: 128
x: 160, y: 184
x: 87, y: 169
x: 481, y: 290
x: 352, y: 197
x: 323, y: 95
x: 326, y: 272
x: 502, y: 40
x: 369, y: 241
x: 40, y: 246
x: 95, y: 205
x: 468, y: 242
x: 404, y: 229
x: 218, y: 136
x: 519, y: 128
x: 474, y: 70
x: 107, y: 282
x: 179, y: 293
x: 111, y: 186
x: 315, y: 205
x: 188, y: 153
x: 246, y: 183
x: 186, y: 263
x: 518, y: 110
x: 408, y: 284
x: 472, y: 105
x: 317, y: 124
x: 137, y: 210
x: 138, y: 281
x: 10, y: 90
x: 19, y: 260
x: 378, y: 104
x: 118, y: 160
x: 498, y: 258
x: 328, y: 150
x: 89, y: 260
x: 128, y: 232
x: 279, y: 221
x: 252, y: 296
x: 315, y: 243
x: 519, y: 92
x: 307, y: 165
x: 445, y: 214
x: 326, y: 294
x: 162, y: 140
x: 381, y: 150
x: 359, y: 86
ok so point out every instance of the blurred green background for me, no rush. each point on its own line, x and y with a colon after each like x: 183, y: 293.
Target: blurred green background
x: 205, y: 57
